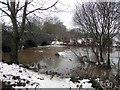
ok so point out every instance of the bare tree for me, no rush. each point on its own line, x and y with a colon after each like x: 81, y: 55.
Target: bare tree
x: 99, y: 21
x: 17, y: 11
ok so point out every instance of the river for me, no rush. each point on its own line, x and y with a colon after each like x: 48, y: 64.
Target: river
x: 45, y: 60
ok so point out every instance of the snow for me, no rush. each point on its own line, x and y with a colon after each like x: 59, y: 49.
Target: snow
x: 52, y: 46
x: 116, y: 39
x: 65, y: 53
x: 56, y: 42
x: 38, y: 51
x: 36, y: 80
x: 55, y: 46
x: 79, y: 41
x: 114, y: 44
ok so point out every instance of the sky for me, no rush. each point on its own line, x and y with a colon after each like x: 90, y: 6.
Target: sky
x: 67, y: 16
x: 67, y: 7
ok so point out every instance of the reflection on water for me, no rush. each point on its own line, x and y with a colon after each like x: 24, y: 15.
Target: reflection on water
x: 67, y: 65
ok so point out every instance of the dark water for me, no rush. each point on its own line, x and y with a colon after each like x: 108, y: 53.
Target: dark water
x: 44, y: 60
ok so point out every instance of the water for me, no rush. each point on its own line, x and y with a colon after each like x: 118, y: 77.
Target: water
x: 44, y: 60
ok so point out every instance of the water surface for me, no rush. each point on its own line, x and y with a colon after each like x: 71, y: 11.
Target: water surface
x: 44, y: 60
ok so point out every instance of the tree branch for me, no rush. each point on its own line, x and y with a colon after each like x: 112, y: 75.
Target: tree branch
x: 23, y: 19
x: 42, y: 8
x: 5, y: 12
x: 3, y: 3
x: 18, y: 9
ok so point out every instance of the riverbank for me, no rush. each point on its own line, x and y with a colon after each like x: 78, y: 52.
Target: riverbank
x: 16, y: 76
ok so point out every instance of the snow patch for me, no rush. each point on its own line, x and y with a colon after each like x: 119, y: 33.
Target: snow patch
x: 16, y: 74
x: 56, y: 42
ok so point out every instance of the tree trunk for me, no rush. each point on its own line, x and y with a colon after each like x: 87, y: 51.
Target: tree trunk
x: 108, y: 59
x: 15, y: 35
x: 101, y: 51
x: 101, y: 55
x: 96, y: 54
x: 108, y: 62
x: 14, y: 50
x: 14, y: 42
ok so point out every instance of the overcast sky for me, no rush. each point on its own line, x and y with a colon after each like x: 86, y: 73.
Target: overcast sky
x: 68, y: 6
x: 66, y: 17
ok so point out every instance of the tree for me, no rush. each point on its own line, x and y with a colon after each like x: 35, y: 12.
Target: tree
x: 18, y: 11
x: 33, y: 24
x: 99, y: 20
x: 54, y: 27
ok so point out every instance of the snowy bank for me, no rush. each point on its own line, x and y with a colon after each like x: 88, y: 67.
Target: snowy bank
x: 20, y: 77
x: 53, y: 46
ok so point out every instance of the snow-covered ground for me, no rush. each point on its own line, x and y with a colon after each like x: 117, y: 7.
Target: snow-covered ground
x: 53, y: 46
x: 14, y: 74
